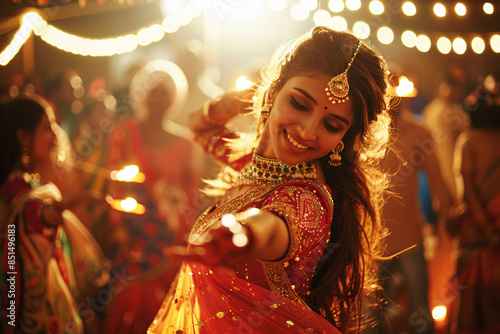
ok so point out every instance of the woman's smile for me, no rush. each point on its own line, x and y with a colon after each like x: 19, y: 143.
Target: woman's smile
x: 294, y: 142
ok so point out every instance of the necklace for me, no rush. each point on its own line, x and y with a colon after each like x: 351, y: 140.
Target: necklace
x: 265, y: 170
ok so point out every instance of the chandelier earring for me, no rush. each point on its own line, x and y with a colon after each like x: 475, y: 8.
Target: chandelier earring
x: 265, y: 110
x: 335, y: 158
x: 25, y: 157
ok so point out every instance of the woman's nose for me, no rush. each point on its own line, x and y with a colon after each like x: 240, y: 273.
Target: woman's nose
x: 308, y: 130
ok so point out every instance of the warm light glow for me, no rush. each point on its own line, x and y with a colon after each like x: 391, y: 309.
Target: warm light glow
x: 460, y: 9
x: 409, y: 8
x: 240, y: 240
x: 128, y: 174
x: 459, y: 46
x: 439, y: 10
x: 478, y: 45
x: 277, y: 5
x: 409, y: 38
x: 336, y: 6
x: 385, y: 35
x: 242, y: 83
x: 423, y: 43
x: 310, y: 5
x: 405, y: 88
x: 495, y: 43
x: 171, y: 24
x: 19, y: 38
x: 128, y: 205
x: 361, y: 29
x: 439, y: 313
x: 228, y: 220
x: 488, y: 8
x: 376, y: 7
x: 322, y: 18
x: 353, y: 4
x: 299, y: 12
x: 444, y: 45
x: 338, y: 23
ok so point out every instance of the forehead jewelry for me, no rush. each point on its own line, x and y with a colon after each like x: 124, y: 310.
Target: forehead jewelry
x: 338, y: 88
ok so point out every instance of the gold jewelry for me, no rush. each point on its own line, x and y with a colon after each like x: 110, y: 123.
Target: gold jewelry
x: 265, y: 170
x: 25, y: 157
x: 335, y: 158
x: 338, y: 87
x: 265, y: 110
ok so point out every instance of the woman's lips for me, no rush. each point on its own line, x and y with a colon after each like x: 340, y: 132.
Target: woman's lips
x: 295, y: 143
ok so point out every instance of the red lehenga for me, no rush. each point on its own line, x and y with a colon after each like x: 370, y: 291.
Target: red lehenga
x: 255, y: 296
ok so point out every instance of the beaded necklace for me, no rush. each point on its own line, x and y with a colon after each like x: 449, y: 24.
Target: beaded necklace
x: 265, y: 170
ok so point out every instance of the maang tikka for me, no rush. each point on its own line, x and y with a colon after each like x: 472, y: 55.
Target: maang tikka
x: 338, y: 87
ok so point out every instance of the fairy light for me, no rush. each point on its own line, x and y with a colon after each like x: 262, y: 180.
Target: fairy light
x: 460, y: 9
x: 405, y: 88
x: 444, y: 45
x: 353, y: 4
x: 299, y: 12
x: 478, y: 45
x: 495, y: 43
x: 409, y: 8
x: 409, y: 38
x: 439, y: 10
x: 361, y: 29
x: 128, y: 205
x: 321, y: 18
x: 459, y: 45
x: 488, y: 8
x: 376, y: 7
x: 338, y: 23
x: 423, y: 43
x: 336, y: 6
x: 310, y: 5
x: 19, y: 39
x: 385, y: 35
x: 129, y: 173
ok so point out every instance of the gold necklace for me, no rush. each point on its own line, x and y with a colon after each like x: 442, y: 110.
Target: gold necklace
x: 265, y: 170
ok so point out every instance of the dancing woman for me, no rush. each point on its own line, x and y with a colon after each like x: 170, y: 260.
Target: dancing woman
x: 291, y: 244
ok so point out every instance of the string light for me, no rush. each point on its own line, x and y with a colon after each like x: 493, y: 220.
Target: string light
x: 336, y: 6
x: 423, y: 43
x: 322, y: 18
x: 353, y: 4
x: 361, y: 29
x: 409, y: 8
x: 409, y: 38
x: 488, y: 8
x: 385, y: 35
x: 376, y: 7
x: 460, y: 9
x: 444, y: 45
x: 495, y: 43
x: 439, y: 10
x: 478, y: 45
x: 459, y: 46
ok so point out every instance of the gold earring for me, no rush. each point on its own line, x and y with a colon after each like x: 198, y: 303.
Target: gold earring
x: 265, y: 110
x: 25, y: 157
x: 335, y: 158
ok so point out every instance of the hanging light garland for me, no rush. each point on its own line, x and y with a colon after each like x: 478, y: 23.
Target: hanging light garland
x: 33, y: 22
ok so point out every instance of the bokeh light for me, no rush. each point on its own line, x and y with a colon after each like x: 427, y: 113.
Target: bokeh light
x: 478, y: 45
x: 353, y: 4
x: 361, y: 29
x: 423, y: 43
x: 385, y: 35
x: 376, y: 7
x: 444, y: 45
x: 439, y: 10
x: 495, y: 43
x: 322, y: 18
x: 336, y: 6
x: 409, y: 8
x: 299, y: 12
x: 459, y: 45
x: 338, y: 23
x: 488, y: 8
x: 277, y: 5
x: 460, y: 9
x: 409, y: 38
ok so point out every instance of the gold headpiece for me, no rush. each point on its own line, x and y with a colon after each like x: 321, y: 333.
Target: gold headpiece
x: 338, y: 88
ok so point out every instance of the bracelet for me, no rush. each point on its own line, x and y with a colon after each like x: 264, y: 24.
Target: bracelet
x: 205, y: 111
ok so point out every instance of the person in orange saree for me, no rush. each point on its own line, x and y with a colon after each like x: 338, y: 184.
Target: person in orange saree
x: 163, y: 152
x: 43, y: 245
x: 290, y: 246
x: 476, y: 281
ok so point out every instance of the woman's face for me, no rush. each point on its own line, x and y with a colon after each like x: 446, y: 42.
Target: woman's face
x: 44, y: 142
x: 303, y: 124
x: 157, y: 102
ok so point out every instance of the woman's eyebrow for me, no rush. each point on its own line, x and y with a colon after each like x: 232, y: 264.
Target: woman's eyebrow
x: 306, y: 94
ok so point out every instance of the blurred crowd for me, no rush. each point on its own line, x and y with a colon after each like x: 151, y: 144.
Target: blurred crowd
x: 443, y: 220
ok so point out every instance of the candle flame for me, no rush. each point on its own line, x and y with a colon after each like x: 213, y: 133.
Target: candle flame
x: 128, y: 174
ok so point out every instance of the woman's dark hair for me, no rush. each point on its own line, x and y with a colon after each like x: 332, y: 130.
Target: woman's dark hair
x: 20, y: 113
x: 347, y: 273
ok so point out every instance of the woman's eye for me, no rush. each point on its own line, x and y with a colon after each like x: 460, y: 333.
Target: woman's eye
x: 298, y: 105
x: 331, y: 128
